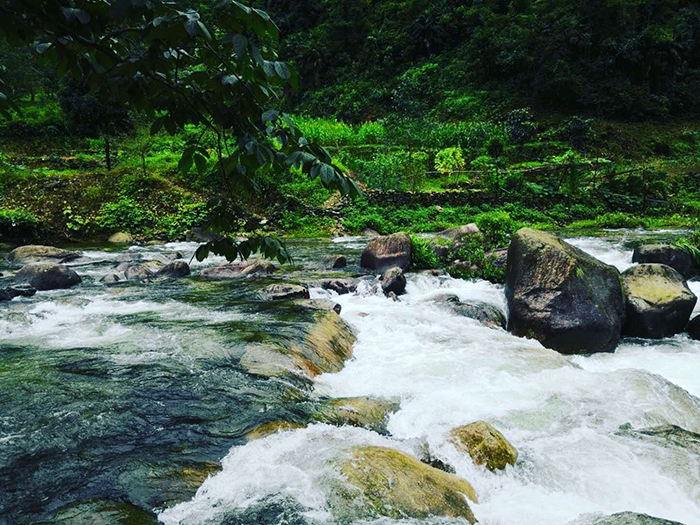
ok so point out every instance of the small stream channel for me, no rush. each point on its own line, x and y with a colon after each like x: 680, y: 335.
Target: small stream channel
x: 133, y: 395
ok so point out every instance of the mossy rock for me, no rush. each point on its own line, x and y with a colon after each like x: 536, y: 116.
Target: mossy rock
x: 486, y: 445
x: 38, y: 253
x: 104, y: 512
x: 273, y: 427
x: 365, y: 412
x: 323, y: 346
x: 659, y: 302
x: 385, y: 482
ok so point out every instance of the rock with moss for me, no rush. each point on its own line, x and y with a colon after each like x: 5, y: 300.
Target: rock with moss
x: 622, y: 518
x: 561, y: 296
x: 236, y: 270
x: 47, y: 276
x: 388, y: 251
x: 659, y: 302
x: 676, y: 257
x: 121, y: 238
x: 365, y: 412
x: 321, y: 345
x: 324, y: 305
x: 104, y: 512
x: 273, y: 427
x: 486, y: 445
x: 385, y: 482
x: 38, y: 253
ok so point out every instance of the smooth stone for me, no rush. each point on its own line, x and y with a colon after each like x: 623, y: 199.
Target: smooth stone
x: 110, y: 278
x: 48, y: 276
x: 460, y: 232
x: 239, y: 269
x: 486, y: 445
x: 337, y: 262
x: 271, y: 428
x: 324, y: 305
x: 694, y: 328
x: 137, y: 273
x: 21, y: 290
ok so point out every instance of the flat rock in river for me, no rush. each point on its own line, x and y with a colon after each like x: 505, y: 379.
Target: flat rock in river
x: 38, y: 253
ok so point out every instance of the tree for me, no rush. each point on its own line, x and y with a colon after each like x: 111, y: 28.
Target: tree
x: 219, y: 72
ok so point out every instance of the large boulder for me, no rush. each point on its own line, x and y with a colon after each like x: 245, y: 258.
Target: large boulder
x: 385, y: 482
x: 37, y: 253
x: 694, y: 328
x: 677, y: 258
x: 460, y: 232
x: 239, y: 269
x: 393, y: 280
x: 659, y: 302
x: 387, y: 251
x: 486, y: 445
x: 365, y: 412
x: 47, y: 276
x: 174, y: 270
x: 286, y: 292
x: 22, y: 290
x: 561, y: 296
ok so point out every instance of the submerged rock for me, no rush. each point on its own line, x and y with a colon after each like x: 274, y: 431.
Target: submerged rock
x: 387, y: 251
x: 174, y: 270
x: 694, y: 328
x: 485, y: 313
x: 38, y: 253
x: 104, y: 512
x: 47, y: 276
x: 393, y: 281
x: 486, y: 445
x: 9, y: 293
x: 385, y: 482
x: 460, y: 232
x: 365, y: 412
x: 622, y: 518
x: 677, y: 258
x: 239, y: 269
x: 273, y: 427
x: 324, y: 305
x: 121, y: 238
x: 561, y: 296
x: 339, y: 286
x: 286, y: 292
x: 322, y: 346
x: 665, y: 436
x: 659, y: 302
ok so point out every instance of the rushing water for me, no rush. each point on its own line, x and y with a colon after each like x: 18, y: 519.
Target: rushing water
x: 106, y: 392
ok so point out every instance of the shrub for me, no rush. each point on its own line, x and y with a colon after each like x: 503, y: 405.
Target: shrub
x: 497, y: 227
x: 618, y: 220
x: 449, y: 160
x: 521, y: 126
x: 17, y: 223
x: 422, y: 255
x: 125, y: 214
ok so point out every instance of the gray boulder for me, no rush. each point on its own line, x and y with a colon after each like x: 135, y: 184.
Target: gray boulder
x: 659, y: 302
x: 694, y: 328
x: 339, y: 286
x: 286, y: 292
x: 677, y: 258
x: 499, y: 258
x: 239, y: 269
x: 561, y: 296
x: 174, y: 270
x: 110, y: 278
x: 47, y: 276
x: 460, y: 232
x: 387, y: 251
x: 137, y: 273
x: 393, y: 281
x: 323, y: 305
x: 38, y: 253
x: 22, y: 290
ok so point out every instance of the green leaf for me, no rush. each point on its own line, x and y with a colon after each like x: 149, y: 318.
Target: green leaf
x: 186, y: 160
x: 270, y: 115
x: 240, y: 46
x: 283, y: 70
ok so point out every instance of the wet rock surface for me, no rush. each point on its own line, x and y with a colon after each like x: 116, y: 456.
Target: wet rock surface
x: 486, y: 445
x: 393, y: 281
x: 47, y: 276
x: 677, y: 258
x: 387, y: 251
x: 38, y: 253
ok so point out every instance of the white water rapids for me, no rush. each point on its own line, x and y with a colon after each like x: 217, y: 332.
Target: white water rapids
x: 561, y: 413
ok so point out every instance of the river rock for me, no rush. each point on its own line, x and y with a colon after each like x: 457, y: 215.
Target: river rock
x: 365, y: 412
x: 137, y: 273
x: 337, y: 261
x: 273, y: 427
x: 103, y: 512
x: 323, y: 305
x: 561, y: 296
x: 37, y: 253
x: 174, y: 270
x: 694, y: 328
x: 238, y: 269
x: 110, y: 278
x: 499, y: 258
x: 200, y: 235
x: 339, y: 286
x: 659, y: 302
x: 22, y: 290
x: 387, y: 251
x: 47, y: 276
x: 385, y: 482
x: 677, y: 258
x: 622, y: 518
x: 323, y: 345
x: 664, y: 436
x: 435, y: 272
x: 486, y: 445
x: 393, y: 280
x: 460, y: 232
x: 121, y: 238
x: 286, y: 292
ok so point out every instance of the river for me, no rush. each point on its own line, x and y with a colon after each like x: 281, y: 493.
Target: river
x: 115, y: 392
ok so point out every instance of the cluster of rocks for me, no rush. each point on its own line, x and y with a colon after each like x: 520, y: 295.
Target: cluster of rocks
x: 574, y: 303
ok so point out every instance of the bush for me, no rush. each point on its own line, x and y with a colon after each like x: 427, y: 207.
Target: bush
x: 124, y: 215
x: 521, y: 126
x: 618, y: 220
x: 17, y: 224
x: 497, y: 228
x: 422, y: 255
x: 449, y: 160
